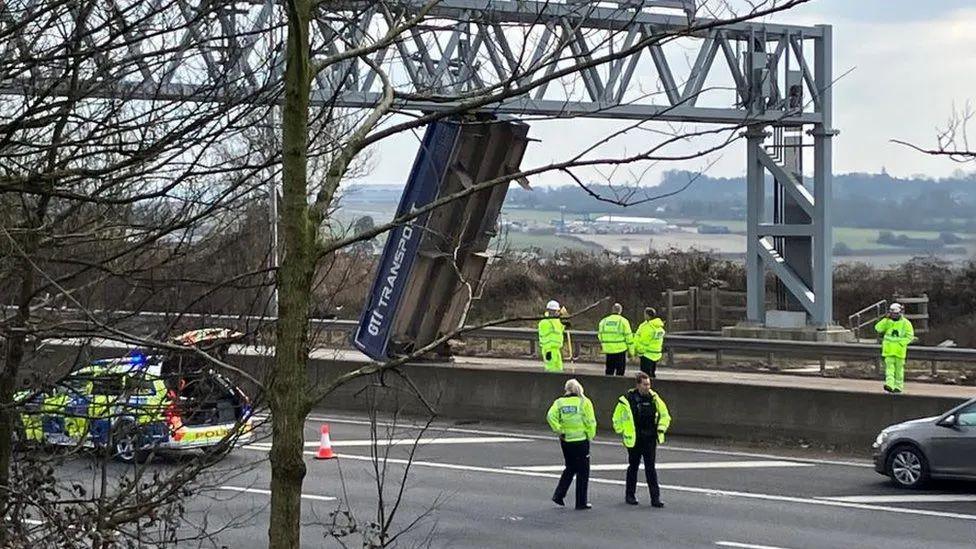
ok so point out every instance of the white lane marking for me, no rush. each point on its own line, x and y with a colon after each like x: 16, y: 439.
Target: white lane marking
x: 423, y: 441
x: 33, y: 522
x: 677, y: 465
x: 745, y: 545
x: 689, y: 489
x: 906, y: 498
x: 732, y: 453
x: 400, y: 441
x: 268, y: 493
x: 666, y: 448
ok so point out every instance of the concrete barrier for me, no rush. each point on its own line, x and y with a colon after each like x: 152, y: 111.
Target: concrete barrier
x: 718, y: 410
x: 706, y: 409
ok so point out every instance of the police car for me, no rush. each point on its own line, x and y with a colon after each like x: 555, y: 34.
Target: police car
x: 140, y: 404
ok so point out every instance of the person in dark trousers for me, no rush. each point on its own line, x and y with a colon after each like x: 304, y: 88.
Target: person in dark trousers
x: 616, y: 340
x: 641, y: 417
x: 649, y: 341
x: 571, y: 417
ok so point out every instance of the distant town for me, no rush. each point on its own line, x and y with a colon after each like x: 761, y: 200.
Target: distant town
x: 920, y: 217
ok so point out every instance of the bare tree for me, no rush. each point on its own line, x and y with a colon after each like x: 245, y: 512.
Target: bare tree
x: 952, y: 140
x: 106, y: 183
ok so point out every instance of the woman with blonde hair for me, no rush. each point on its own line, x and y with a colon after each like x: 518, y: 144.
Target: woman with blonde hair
x: 571, y: 417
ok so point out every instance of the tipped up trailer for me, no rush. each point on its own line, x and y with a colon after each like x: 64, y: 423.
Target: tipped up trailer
x: 433, y: 264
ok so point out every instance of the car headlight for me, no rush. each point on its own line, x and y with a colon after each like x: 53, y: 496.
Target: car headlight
x: 882, y: 437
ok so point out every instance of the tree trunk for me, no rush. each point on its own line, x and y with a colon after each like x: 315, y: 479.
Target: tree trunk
x: 288, y: 383
x: 12, y: 360
x: 8, y: 379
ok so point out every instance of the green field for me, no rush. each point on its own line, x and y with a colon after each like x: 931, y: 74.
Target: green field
x: 856, y: 239
x: 547, y: 242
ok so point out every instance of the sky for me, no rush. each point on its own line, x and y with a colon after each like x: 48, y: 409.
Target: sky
x: 907, y: 64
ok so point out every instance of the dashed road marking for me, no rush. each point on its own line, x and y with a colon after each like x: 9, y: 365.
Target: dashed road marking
x: 906, y: 498
x: 262, y: 492
x: 410, y: 441
x: 746, y: 545
x: 676, y: 465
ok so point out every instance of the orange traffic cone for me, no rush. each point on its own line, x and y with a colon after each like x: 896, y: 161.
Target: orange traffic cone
x: 325, y: 444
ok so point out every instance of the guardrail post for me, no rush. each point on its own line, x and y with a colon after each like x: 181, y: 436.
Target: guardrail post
x: 823, y: 366
x: 669, y: 303
x: 923, y: 309
x: 693, y: 307
x: 670, y: 353
x: 877, y: 366
x: 935, y: 368
x: 532, y: 347
x: 488, y: 344
x: 718, y: 357
x: 715, y: 309
x: 769, y: 360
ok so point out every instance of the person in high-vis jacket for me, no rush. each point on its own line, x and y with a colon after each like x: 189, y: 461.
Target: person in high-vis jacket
x: 897, y: 332
x: 641, y: 417
x: 551, y: 335
x: 571, y: 417
x: 649, y: 341
x: 616, y: 340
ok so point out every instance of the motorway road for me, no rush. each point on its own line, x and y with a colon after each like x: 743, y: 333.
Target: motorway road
x: 488, y: 485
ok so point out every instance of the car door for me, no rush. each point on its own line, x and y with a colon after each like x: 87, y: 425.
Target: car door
x: 953, y: 448
x: 967, y: 453
x: 63, y: 412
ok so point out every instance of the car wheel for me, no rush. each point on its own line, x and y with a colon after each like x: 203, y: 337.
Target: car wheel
x: 125, y: 442
x: 907, y: 466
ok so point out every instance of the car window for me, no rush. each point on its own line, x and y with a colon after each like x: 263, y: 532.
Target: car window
x: 108, y: 385
x: 967, y: 416
x: 141, y: 386
x: 75, y: 386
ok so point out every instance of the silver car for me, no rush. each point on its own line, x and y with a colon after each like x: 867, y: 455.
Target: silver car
x: 934, y: 447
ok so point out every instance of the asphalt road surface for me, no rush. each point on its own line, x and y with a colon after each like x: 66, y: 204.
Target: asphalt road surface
x: 488, y: 485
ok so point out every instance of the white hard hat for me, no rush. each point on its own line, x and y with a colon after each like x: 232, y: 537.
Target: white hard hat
x: 553, y: 305
x: 895, y: 308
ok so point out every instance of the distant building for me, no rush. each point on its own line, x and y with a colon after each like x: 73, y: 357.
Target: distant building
x: 622, y: 224
x: 622, y: 219
x: 713, y: 229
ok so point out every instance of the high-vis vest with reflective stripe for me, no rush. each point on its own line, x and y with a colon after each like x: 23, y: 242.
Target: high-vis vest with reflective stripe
x: 551, y: 333
x: 897, y: 335
x: 623, y: 420
x: 615, y: 335
x: 573, y: 418
x: 153, y: 406
x: 649, y: 339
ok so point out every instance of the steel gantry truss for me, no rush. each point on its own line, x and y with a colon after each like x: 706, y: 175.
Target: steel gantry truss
x: 543, y: 59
